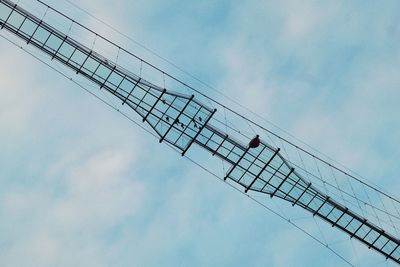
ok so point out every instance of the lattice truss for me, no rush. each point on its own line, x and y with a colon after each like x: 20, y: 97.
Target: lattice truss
x: 182, y: 120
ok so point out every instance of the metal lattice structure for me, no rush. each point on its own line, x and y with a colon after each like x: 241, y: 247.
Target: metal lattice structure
x: 183, y: 121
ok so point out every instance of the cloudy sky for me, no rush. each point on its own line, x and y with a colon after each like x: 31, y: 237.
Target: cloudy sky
x: 82, y: 186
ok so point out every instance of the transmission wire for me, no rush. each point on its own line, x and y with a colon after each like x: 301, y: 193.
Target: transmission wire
x: 378, y: 189
x: 173, y: 148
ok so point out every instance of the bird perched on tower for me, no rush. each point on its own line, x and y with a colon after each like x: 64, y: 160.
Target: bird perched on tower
x: 255, y: 142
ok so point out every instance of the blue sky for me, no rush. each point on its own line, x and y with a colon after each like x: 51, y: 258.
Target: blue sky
x: 82, y: 186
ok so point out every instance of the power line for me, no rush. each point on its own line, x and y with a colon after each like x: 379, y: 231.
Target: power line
x: 100, y: 59
x: 367, y: 183
x: 325, y: 245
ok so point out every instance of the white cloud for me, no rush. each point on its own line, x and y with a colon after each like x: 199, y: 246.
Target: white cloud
x: 72, y: 218
x: 303, y: 20
x: 87, y: 202
x: 16, y: 103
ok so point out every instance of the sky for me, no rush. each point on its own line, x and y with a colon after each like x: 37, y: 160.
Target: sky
x: 83, y: 186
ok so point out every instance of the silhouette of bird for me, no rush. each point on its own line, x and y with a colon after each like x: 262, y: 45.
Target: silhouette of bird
x: 255, y: 142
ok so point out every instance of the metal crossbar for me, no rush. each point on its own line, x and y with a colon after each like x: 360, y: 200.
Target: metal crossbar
x: 262, y: 170
x: 176, y: 119
x: 44, y: 43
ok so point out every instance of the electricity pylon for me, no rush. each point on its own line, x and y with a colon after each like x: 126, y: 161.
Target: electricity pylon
x: 183, y: 121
